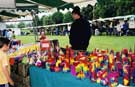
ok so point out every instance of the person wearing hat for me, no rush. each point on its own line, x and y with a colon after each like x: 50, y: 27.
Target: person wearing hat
x: 80, y: 32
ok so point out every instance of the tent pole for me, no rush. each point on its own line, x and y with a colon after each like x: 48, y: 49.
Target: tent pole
x: 34, y: 25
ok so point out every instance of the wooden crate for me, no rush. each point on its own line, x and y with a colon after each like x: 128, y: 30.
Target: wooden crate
x: 23, y: 69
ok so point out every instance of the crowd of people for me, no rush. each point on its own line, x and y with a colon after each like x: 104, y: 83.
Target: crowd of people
x: 98, y: 28
x: 110, y: 28
x: 8, y: 34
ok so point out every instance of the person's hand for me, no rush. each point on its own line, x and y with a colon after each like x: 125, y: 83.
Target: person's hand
x: 11, y: 82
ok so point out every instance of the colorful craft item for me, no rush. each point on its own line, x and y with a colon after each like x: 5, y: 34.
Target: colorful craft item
x: 12, y: 61
x: 66, y: 67
x: 126, y: 76
x: 133, y: 74
x: 125, y: 51
x: 102, y: 77
x: 111, y: 62
x: 118, y: 56
x: 57, y: 69
x: 73, y: 71
x: 133, y: 58
x: 80, y: 75
x: 38, y: 63
x: 113, y: 79
x: 119, y: 68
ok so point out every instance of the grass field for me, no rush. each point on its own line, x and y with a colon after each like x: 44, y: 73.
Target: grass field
x: 101, y: 42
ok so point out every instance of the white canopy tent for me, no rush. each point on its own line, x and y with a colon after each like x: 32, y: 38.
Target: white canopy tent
x: 7, y: 4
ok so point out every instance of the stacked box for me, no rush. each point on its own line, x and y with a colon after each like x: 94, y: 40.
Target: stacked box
x: 23, y: 69
x: 20, y: 75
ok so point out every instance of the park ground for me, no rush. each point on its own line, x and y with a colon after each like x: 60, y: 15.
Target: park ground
x: 101, y: 42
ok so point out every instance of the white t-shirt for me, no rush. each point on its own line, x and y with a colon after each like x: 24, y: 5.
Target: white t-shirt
x: 118, y: 27
x: 10, y: 34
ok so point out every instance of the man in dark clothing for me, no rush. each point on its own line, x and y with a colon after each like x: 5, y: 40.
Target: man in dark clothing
x: 4, y: 32
x: 125, y: 27
x: 80, y: 32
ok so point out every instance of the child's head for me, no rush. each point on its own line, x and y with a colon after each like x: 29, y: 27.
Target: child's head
x: 4, y: 43
x: 42, y: 33
x: 13, y: 32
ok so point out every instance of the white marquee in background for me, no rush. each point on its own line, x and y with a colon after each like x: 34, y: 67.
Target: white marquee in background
x: 7, y: 4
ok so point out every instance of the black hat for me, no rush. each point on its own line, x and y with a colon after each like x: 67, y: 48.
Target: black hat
x: 76, y: 10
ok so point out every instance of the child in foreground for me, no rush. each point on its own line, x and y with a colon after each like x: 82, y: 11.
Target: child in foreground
x: 4, y: 63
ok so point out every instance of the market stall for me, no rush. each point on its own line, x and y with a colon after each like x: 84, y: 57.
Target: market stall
x: 52, y: 67
x: 46, y: 65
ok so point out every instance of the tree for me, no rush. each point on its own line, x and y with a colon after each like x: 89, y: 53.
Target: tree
x: 37, y: 21
x: 111, y: 8
x: 29, y: 25
x: 10, y: 26
x: 87, y: 12
x: 47, y: 20
x: 57, y: 17
x: 21, y: 25
x: 125, y: 7
x: 105, y: 8
x: 68, y: 17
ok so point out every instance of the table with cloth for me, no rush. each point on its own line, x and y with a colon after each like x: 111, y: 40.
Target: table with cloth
x: 40, y: 77
x: 43, y: 78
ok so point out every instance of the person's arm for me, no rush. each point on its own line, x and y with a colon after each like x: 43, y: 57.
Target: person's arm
x: 71, y: 34
x: 86, y: 31
x: 5, y: 70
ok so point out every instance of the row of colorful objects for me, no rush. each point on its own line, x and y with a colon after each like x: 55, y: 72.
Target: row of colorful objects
x: 19, y: 50
x: 100, y: 66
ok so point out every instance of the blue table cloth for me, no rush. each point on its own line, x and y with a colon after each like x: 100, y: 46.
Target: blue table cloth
x: 43, y: 78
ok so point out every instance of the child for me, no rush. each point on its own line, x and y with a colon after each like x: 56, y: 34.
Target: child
x: 13, y: 36
x: 4, y: 63
x: 43, y: 36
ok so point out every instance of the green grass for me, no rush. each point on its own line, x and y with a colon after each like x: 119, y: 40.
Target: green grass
x: 101, y: 42
x: 26, y: 39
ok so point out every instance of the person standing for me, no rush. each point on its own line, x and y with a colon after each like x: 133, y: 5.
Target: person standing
x: 6, y: 33
x: 10, y: 34
x: 111, y: 28
x: 118, y: 27
x: 125, y: 27
x: 80, y: 32
x: 4, y: 64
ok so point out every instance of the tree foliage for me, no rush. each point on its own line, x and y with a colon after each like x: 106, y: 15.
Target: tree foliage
x: 47, y: 20
x: 10, y: 26
x: 37, y: 21
x: 57, y: 17
x: 21, y: 25
x: 87, y: 12
x: 68, y: 17
x: 111, y: 8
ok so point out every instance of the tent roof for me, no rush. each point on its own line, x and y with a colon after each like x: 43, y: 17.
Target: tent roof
x: 35, y: 4
x: 25, y: 5
x: 45, y: 3
x: 6, y: 13
x: 76, y: 1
